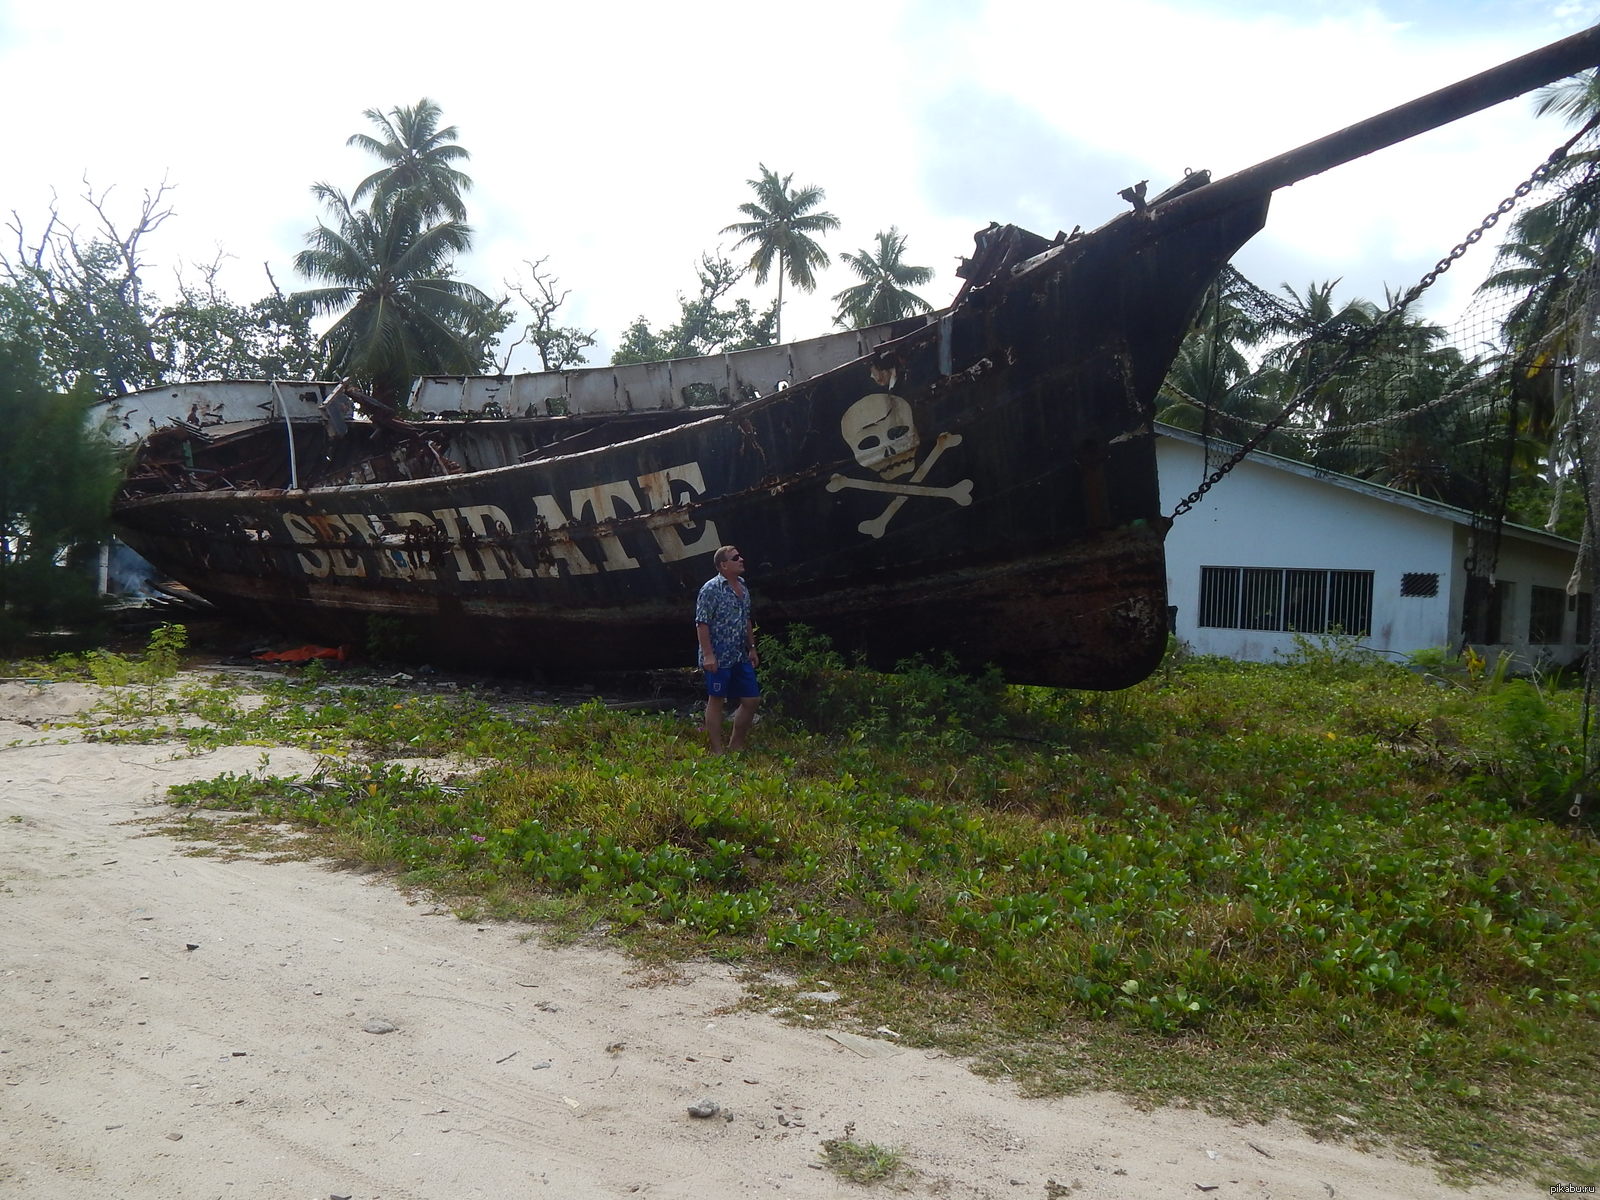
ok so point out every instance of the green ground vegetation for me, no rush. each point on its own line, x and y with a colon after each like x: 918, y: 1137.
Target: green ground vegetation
x: 1348, y: 891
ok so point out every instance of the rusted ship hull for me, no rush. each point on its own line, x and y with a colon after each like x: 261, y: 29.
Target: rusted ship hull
x: 981, y: 483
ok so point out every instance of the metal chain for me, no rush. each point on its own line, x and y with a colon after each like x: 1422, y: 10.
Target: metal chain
x: 1393, y: 418
x: 1369, y: 335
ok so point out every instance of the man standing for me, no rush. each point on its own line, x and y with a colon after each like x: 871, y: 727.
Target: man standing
x: 727, y: 648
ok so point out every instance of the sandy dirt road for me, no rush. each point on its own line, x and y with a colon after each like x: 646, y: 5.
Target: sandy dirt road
x: 134, y: 1067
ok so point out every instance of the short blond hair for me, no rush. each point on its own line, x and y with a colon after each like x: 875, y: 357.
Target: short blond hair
x: 723, y: 554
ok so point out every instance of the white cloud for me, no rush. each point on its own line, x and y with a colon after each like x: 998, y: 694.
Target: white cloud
x: 616, y: 138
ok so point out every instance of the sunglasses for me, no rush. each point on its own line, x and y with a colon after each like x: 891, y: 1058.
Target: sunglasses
x: 734, y: 558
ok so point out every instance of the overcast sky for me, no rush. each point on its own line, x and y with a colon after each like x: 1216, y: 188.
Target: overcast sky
x: 616, y: 139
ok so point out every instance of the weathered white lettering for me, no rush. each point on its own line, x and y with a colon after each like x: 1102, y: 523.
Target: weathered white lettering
x: 417, y: 565
x: 602, y: 500
x: 561, y: 544
x: 312, y: 562
x: 481, y: 537
x: 334, y: 529
x: 667, y: 520
x: 493, y: 528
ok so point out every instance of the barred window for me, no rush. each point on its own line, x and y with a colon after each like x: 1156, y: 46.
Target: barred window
x: 1546, y: 607
x: 1290, y: 599
x: 1419, y: 583
x: 1585, y: 617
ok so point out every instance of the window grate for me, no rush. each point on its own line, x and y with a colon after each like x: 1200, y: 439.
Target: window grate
x: 1286, y: 599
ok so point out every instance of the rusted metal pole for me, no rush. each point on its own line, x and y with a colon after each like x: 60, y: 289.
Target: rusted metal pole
x: 1556, y: 61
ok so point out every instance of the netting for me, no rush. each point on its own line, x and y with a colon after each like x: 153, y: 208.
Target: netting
x: 1384, y: 395
x: 1497, y: 413
x: 1581, y: 432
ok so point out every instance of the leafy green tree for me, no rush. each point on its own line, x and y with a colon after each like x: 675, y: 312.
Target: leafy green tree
x: 884, y: 293
x: 1546, y: 262
x: 95, y: 321
x: 99, y: 326
x: 1320, y: 329
x: 57, y: 477
x: 419, y: 161
x: 1212, y: 385
x: 705, y: 325
x: 388, y: 269
x: 782, y: 229
x: 400, y: 311
x: 205, y: 335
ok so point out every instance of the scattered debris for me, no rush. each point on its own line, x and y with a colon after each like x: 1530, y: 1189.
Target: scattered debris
x: 864, y: 1046
x: 507, y: 1058
x: 540, y: 1066
x: 1259, y: 1150
x: 707, y: 1108
x: 378, y: 1025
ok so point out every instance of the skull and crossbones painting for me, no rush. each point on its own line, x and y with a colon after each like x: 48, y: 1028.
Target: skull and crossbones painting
x: 881, y: 432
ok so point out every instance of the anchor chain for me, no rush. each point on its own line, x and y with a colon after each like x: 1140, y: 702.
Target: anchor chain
x: 1366, y: 337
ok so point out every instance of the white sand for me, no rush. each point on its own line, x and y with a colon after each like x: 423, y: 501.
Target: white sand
x: 133, y: 1068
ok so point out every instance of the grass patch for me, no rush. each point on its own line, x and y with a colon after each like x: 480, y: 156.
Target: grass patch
x: 1333, y: 889
x: 861, y: 1162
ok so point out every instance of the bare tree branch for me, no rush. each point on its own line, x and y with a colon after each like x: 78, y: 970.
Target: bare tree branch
x: 558, y: 346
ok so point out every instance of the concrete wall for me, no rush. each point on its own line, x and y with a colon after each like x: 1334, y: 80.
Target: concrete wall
x: 1524, y: 565
x: 1262, y: 515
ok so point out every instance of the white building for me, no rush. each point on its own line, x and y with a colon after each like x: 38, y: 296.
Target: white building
x: 1279, y: 548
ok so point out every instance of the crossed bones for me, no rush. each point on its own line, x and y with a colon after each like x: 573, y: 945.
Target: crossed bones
x: 960, y: 492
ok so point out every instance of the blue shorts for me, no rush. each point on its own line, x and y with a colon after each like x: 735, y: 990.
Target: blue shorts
x: 737, y: 682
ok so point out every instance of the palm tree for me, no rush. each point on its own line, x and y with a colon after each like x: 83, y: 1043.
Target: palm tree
x: 886, y: 279
x: 1321, y: 329
x: 781, y: 228
x: 388, y: 274
x: 1548, y: 261
x: 419, y: 161
x: 1212, y: 386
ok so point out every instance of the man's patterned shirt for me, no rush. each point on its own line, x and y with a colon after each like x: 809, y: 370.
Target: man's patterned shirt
x: 727, y: 616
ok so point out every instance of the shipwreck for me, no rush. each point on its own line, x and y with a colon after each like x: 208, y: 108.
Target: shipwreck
x: 979, y: 482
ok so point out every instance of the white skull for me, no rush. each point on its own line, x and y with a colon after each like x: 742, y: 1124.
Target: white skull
x: 881, y: 433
